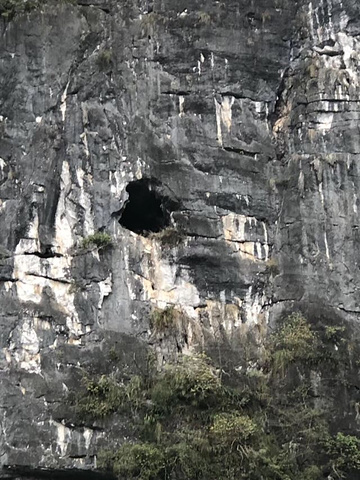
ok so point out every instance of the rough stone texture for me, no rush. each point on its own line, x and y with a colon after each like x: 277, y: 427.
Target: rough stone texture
x: 242, y: 116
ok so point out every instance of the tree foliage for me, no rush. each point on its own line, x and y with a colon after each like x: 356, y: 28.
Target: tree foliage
x: 191, y: 425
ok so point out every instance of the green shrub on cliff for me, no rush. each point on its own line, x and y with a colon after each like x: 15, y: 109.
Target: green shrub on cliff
x: 344, y: 451
x: 98, y: 240
x: 192, y: 380
x: 231, y: 430
x: 102, y: 397
x: 161, y: 320
x: 188, y: 424
x: 168, y: 237
x: 104, y: 60
x: 294, y: 341
x: 143, y: 461
x: 9, y: 8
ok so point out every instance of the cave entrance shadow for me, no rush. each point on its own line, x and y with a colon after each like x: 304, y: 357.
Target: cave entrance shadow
x: 146, y: 211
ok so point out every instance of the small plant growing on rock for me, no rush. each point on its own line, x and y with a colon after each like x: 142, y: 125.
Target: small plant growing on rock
x: 98, y: 240
x: 149, y: 21
x: 334, y: 334
x: 169, y: 237
x: 75, y: 286
x: 190, y: 380
x: 232, y: 429
x: 114, y: 356
x: 105, y: 395
x: 101, y: 398
x: 161, y: 320
x: 204, y: 18
x: 294, y: 341
x: 104, y: 60
x: 272, y: 267
x: 344, y: 451
x: 143, y: 461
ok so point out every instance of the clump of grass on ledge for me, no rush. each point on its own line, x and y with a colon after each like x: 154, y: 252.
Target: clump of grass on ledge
x: 272, y: 267
x: 161, y: 320
x: 104, y: 60
x: 169, y: 237
x: 98, y: 240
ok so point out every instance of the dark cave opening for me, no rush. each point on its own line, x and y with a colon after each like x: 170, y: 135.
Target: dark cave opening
x: 146, y: 211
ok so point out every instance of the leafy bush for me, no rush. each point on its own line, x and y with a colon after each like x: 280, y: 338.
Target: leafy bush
x: 143, y: 461
x: 190, y: 425
x: 294, y: 341
x: 105, y: 395
x: 161, y: 320
x: 231, y: 429
x: 190, y: 456
x: 98, y: 240
x: 344, y: 451
x: 102, y: 397
x: 334, y: 334
x: 191, y: 380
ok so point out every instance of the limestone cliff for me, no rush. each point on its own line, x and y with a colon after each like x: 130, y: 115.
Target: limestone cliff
x: 216, y: 143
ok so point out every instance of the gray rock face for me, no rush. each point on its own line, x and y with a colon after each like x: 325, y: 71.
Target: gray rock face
x: 235, y: 124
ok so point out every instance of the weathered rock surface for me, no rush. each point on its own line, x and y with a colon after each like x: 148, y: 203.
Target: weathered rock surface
x: 235, y: 123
